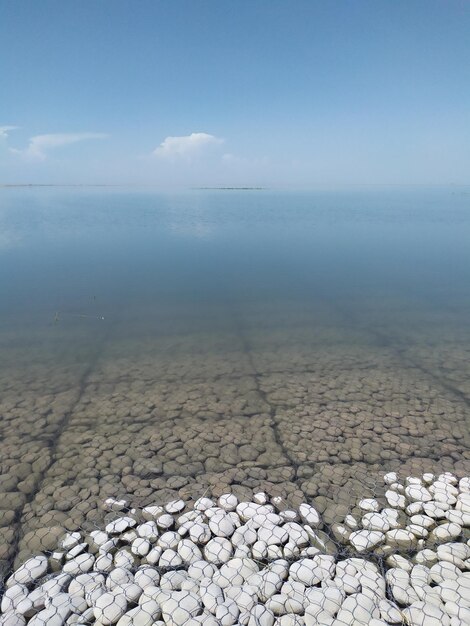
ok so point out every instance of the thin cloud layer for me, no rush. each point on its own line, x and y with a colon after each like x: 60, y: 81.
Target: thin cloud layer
x: 4, y: 131
x: 186, y: 146
x: 40, y: 145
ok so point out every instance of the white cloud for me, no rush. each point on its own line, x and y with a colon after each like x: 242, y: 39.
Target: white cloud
x: 4, y: 130
x: 186, y: 146
x: 39, y: 145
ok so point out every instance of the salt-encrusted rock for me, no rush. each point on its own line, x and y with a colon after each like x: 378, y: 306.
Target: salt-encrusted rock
x: 461, y: 613
x: 445, y: 532
x: 400, y: 584
x: 228, y: 576
x: 143, y: 615
x: 396, y: 560
x: 289, y: 595
x: 395, y: 499
x: 389, y: 612
x: 290, y: 619
x: 420, y: 576
x: 358, y: 608
x: 124, y: 558
x: 459, y: 517
x: 281, y: 604
x: 273, y: 535
x: 189, y: 551
x: 456, y: 553
x: 312, y: 571
x: 31, y: 570
x: 79, y: 565
x: 110, y: 607
x: 50, y: 617
x: 247, y: 510
x: 211, y: 595
x: 243, y: 565
x: 227, y: 613
x: 369, y: 505
x: 443, y: 570
x: 375, y: 521
x: 435, y: 510
x: 463, y: 502
x: 12, y: 619
x: 297, y: 534
x: 319, y: 541
x: 174, y: 580
x: 103, y: 563
x: 228, y: 502
x: 221, y: 525
x: 131, y: 591
x: 148, y: 530
x: 390, y: 478
x: 363, y: 540
x: 351, y: 522
x: 140, y: 546
x: 244, y: 536
x: 112, y: 504
x: 260, y: 615
x: 414, y: 508
x: 200, y: 533
x: 270, y: 582
x: 327, y: 599
x: 418, y: 531
x: 426, y: 557
x: 392, y: 517
x: 152, y: 512
x: 218, y: 550
x: 464, y: 484
x: 118, y: 577
x: 169, y: 539
x: 70, y: 540
x: 76, y: 550
x: 170, y: 558
x: 310, y: 515
x: 153, y: 557
x: 264, y: 520
x: 413, y: 480
x: 260, y: 497
x: 165, y: 521
x: 418, y: 493
x: 425, y: 614
x: 245, y: 597
x: 12, y: 597
x: 289, y: 516
x: 120, y: 525
x: 179, y: 607
x: 175, y: 506
x: 78, y: 585
x: 202, y: 504
x: 401, y: 538
x: 423, y: 520
x: 98, y: 537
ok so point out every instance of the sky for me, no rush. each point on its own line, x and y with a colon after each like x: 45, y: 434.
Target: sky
x: 295, y: 93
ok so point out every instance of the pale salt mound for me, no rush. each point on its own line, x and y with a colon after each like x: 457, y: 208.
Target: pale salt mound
x: 403, y: 561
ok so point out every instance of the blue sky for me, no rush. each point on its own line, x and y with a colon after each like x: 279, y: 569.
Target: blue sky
x: 211, y: 92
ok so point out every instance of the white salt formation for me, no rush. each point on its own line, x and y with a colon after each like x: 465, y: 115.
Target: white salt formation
x: 405, y: 560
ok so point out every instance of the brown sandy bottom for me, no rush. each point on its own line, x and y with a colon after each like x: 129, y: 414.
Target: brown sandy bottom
x: 304, y: 407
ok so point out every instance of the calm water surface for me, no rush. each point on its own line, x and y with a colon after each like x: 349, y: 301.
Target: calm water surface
x: 221, y: 339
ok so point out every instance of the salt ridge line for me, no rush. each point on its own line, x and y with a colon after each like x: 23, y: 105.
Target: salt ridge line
x: 249, y: 563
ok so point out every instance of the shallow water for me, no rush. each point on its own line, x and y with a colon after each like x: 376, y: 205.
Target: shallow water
x: 155, y: 344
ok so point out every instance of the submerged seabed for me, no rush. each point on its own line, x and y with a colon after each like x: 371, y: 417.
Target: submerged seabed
x: 311, y: 404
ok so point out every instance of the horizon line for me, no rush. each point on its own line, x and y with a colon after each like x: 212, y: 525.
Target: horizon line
x: 234, y: 187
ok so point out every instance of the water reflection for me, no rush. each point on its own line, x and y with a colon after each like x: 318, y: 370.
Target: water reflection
x: 293, y: 342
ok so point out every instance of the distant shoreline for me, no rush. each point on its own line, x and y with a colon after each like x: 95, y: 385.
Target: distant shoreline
x: 3, y: 186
